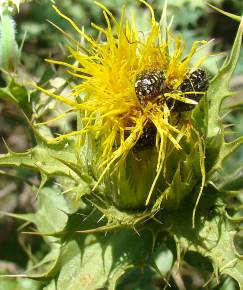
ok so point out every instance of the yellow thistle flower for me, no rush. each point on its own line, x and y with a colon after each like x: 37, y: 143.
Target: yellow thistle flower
x: 113, y: 114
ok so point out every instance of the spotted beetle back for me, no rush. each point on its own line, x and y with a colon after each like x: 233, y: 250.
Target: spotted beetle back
x: 149, y: 85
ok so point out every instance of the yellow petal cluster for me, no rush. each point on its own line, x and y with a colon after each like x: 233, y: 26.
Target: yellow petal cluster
x: 106, y: 70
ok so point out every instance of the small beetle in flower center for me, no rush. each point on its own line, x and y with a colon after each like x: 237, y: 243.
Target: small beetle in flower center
x: 195, y: 84
x: 149, y: 85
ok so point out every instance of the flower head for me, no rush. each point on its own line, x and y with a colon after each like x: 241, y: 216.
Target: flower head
x: 131, y: 85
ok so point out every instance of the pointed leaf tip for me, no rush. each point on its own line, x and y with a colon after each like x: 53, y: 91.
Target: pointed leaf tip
x: 230, y: 15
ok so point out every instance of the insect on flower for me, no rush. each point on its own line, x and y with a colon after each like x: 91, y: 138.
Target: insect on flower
x: 192, y: 87
x: 149, y: 85
x: 147, y: 139
x: 130, y: 86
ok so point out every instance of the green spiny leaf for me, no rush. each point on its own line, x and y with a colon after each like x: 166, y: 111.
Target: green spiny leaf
x: 44, y: 159
x: 232, y: 182
x: 218, y: 89
x: 226, y: 150
x: 213, y: 236
x: 96, y: 261
x: 51, y: 215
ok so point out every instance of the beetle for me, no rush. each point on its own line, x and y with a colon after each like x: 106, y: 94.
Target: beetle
x: 196, y: 82
x: 149, y: 85
x: 148, y: 139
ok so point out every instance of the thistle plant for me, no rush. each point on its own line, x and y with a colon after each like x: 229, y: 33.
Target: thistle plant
x: 137, y: 185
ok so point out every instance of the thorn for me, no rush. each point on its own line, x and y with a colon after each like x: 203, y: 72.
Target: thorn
x: 7, y: 147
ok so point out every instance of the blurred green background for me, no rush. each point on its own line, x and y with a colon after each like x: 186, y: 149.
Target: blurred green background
x: 193, y: 19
